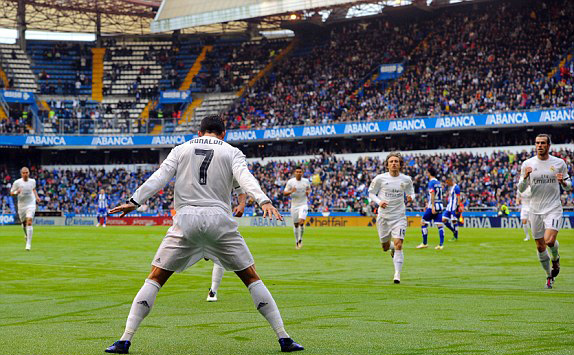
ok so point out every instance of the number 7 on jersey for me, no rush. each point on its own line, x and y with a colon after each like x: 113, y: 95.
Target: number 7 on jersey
x: 208, y: 155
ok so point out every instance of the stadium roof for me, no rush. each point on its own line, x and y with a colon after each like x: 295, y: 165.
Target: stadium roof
x: 116, y: 16
x: 191, y: 16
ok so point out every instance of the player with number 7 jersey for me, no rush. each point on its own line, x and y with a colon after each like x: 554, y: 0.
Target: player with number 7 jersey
x: 203, y: 227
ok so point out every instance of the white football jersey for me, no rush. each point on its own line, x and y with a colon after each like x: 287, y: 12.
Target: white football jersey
x: 544, y: 187
x: 525, y: 197
x: 391, y: 189
x: 205, y: 170
x: 26, y: 197
x: 299, y: 197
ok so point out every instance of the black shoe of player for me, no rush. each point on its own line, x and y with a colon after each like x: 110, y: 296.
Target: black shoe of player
x: 119, y: 347
x: 549, y: 282
x: 288, y: 345
x: 555, y: 267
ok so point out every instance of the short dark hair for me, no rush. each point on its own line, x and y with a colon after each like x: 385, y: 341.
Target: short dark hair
x: 544, y: 135
x: 212, y: 124
x: 298, y: 167
x: 432, y: 171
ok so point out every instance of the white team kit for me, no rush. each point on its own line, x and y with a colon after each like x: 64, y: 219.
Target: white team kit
x: 525, y: 203
x: 545, y: 205
x: 299, y: 207
x: 26, y: 198
x: 203, y: 227
x: 392, y: 220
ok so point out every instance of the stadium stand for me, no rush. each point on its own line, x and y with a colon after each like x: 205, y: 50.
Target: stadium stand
x: 456, y: 63
x: 18, y: 68
x: 62, y: 68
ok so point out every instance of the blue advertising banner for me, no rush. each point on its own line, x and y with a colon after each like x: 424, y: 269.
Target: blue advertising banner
x: 442, y: 123
x: 390, y: 71
x: 174, y: 96
x: 22, y: 97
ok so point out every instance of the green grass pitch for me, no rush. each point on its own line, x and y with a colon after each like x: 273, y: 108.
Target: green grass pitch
x: 482, y: 295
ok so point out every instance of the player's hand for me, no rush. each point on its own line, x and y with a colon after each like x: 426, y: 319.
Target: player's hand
x: 560, y: 178
x: 270, y: 211
x: 527, y: 171
x: 409, y: 198
x: 238, y: 210
x: 38, y: 200
x: 125, y: 209
x: 19, y: 191
x: 383, y: 204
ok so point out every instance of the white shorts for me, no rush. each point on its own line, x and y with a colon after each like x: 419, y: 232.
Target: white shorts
x: 203, y: 232
x: 26, y: 212
x: 298, y: 213
x: 395, y: 228
x: 540, y: 222
x: 524, y: 213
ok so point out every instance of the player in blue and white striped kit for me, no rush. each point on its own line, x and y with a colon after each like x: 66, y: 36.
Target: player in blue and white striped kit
x: 451, y: 214
x: 103, y: 203
x: 433, y: 211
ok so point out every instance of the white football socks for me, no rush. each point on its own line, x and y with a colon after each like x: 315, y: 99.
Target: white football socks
x: 29, y: 233
x: 392, y: 247
x: 301, y: 231
x: 265, y: 304
x: 525, y: 227
x: 141, y: 306
x: 398, y: 261
x: 216, y: 277
x: 545, y: 262
x: 554, y: 251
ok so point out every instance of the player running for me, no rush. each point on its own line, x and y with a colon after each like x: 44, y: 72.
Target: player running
x: 523, y: 199
x: 298, y: 188
x: 433, y: 211
x: 103, y: 204
x: 203, y: 226
x: 25, y: 189
x: 217, y: 272
x: 388, y: 191
x: 545, y: 174
x: 451, y: 214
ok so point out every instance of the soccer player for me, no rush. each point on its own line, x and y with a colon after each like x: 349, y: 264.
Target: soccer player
x: 217, y: 273
x: 388, y: 191
x: 545, y: 174
x: 203, y: 225
x: 451, y: 215
x: 298, y: 188
x: 102, y: 208
x: 523, y: 199
x: 25, y: 189
x: 433, y: 211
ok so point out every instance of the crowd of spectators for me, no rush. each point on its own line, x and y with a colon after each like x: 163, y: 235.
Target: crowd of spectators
x: 486, y: 181
x: 228, y: 67
x: 476, y: 58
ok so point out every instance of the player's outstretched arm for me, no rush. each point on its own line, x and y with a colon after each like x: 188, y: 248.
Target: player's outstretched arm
x: 246, y: 180
x: 158, y: 179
